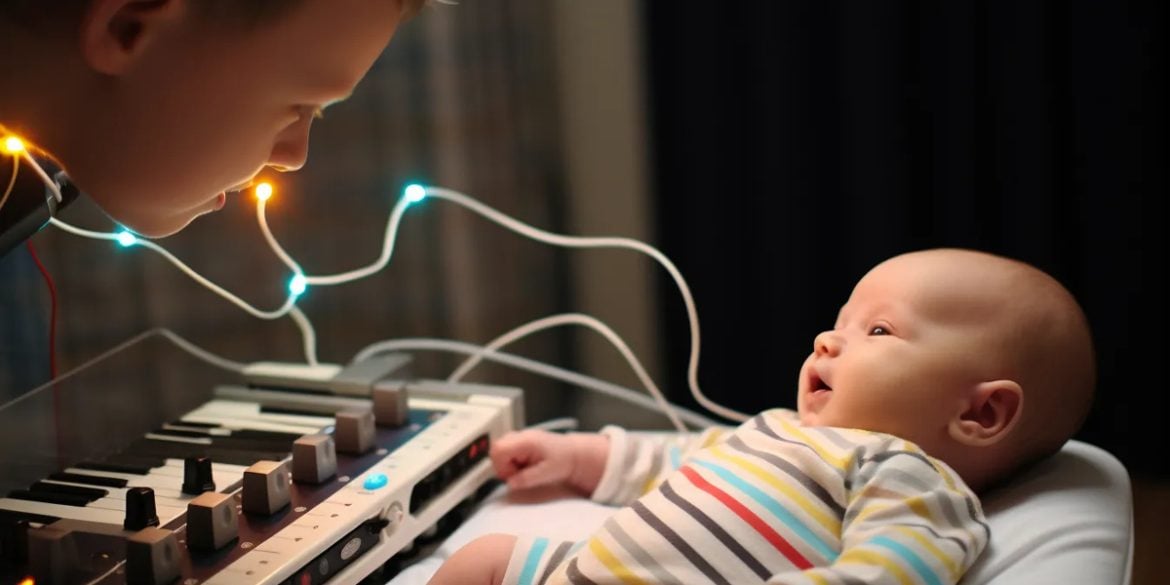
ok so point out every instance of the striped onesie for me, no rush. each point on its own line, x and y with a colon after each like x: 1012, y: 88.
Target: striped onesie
x: 768, y: 502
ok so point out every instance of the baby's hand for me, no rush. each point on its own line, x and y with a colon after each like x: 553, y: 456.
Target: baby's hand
x: 533, y: 458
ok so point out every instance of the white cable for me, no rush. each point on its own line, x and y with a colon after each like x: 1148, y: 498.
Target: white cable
x: 607, y: 242
x: 308, y: 335
x: 637, y: 398
x: 585, y: 321
x: 272, y: 243
x: 567, y: 423
x: 215, y: 288
x: 387, y: 251
x: 50, y: 183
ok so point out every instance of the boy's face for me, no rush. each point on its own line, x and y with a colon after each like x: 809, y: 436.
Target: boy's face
x: 912, y: 341
x: 209, y: 105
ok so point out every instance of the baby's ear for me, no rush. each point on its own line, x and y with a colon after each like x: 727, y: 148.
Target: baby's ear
x: 115, y: 33
x: 991, y: 412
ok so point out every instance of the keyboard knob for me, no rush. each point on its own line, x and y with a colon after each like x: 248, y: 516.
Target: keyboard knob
x: 197, y: 476
x: 314, y: 459
x: 354, y: 431
x: 211, y: 521
x: 390, y: 406
x: 152, y: 557
x: 52, y: 555
x: 140, y: 510
x: 265, y: 487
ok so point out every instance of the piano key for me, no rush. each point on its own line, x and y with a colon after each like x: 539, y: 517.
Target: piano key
x: 77, y: 490
x: 232, y: 442
x: 81, y: 478
x: 253, y: 410
x: 71, y: 512
x: 49, y: 497
x: 245, y: 423
x: 116, y: 499
x: 252, y: 434
x: 118, y: 467
x: 182, y: 449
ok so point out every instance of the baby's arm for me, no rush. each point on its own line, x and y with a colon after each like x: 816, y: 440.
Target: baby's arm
x: 482, y: 561
x: 612, y: 467
x: 533, y: 458
x: 907, y: 519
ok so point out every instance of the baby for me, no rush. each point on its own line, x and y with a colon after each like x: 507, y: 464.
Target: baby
x: 947, y: 371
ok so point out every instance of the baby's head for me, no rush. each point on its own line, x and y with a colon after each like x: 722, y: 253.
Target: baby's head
x: 984, y: 362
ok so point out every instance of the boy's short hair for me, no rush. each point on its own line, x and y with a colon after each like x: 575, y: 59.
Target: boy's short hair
x: 42, y: 14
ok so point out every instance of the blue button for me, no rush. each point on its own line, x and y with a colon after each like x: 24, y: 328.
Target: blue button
x: 375, y: 481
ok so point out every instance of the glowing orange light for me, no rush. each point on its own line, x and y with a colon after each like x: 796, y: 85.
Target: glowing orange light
x: 13, y: 145
x: 28, y: 581
x: 264, y: 191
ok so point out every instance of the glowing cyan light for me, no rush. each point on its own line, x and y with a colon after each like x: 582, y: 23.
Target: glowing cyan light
x: 264, y: 191
x: 415, y: 193
x: 13, y: 145
x: 127, y: 239
x: 297, y: 285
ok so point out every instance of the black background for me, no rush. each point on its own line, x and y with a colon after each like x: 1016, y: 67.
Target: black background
x: 800, y: 143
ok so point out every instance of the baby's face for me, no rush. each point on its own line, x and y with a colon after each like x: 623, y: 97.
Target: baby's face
x: 911, y: 342
x: 211, y: 105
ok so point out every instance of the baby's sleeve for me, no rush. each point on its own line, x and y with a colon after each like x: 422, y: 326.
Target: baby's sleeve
x: 638, y: 462
x: 909, y: 519
x: 535, y: 558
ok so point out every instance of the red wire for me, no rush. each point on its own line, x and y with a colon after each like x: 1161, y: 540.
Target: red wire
x: 52, y: 311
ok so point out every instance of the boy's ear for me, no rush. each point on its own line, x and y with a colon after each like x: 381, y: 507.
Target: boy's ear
x: 991, y: 412
x: 116, y: 33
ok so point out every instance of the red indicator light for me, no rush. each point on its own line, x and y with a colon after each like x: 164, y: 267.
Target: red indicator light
x: 474, y: 449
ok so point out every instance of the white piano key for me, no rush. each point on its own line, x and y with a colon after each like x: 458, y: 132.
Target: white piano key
x: 243, y: 423
x: 252, y: 410
x: 61, y: 511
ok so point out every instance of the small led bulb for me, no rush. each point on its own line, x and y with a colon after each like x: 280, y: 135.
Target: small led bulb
x: 127, y: 239
x: 264, y: 191
x: 297, y: 285
x: 415, y: 193
x: 13, y: 145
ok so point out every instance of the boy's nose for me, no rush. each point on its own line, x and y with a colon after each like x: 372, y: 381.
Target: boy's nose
x: 291, y: 149
x: 828, y: 343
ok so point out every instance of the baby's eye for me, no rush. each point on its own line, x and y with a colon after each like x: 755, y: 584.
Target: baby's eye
x: 879, y: 330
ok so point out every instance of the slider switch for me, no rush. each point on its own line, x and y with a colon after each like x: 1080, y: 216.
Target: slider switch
x: 211, y: 521
x: 140, y: 510
x: 52, y: 555
x: 314, y: 459
x: 197, y: 476
x: 265, y: 487
x: 152, y: 557
x: 354, y: 431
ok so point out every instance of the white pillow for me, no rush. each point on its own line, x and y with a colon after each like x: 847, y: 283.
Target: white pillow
x: 1067, y: 520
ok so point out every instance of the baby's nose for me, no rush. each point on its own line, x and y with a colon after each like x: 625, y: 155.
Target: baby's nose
x: 828, y: 343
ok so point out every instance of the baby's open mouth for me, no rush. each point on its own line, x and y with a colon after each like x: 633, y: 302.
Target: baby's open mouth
x: 818, y: 385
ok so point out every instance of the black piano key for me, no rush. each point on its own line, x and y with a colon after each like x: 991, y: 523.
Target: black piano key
x: 49, y: 498
x: 128, y: 459
x: 254, y: 434
x: 11, y: 517
x: 234, y: 442
x: 184, y: 423
x: 179, y: 450
x: 114, y: 467
x: 76, y: 490
x: 114, y: 482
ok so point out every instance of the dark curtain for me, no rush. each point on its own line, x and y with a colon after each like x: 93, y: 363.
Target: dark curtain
x: 797, y: 144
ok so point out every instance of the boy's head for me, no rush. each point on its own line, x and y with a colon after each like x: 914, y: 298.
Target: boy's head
x: 157, y: 107
x: 984, y: 362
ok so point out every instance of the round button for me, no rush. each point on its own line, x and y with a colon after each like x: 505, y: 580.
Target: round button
x: 375, y: 481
